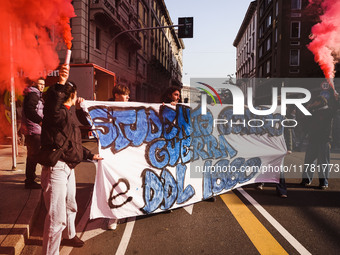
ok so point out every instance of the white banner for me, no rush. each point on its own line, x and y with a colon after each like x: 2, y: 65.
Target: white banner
x: 159, y: 157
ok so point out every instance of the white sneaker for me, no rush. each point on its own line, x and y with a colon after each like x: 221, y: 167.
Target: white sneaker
x: 112, y: 224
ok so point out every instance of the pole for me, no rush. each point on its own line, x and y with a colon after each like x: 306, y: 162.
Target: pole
x: 133, y: 30
x: 12, y: 102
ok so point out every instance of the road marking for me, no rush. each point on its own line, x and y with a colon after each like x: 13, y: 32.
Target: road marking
x: 66, y: 250
x: 95, y: 228
x: 295, y: 243
x: 263, y: 241
x: 189, y: 208
x: 126, y: 236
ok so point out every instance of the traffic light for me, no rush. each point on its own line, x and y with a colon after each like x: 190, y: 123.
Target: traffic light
x: 186, y: 27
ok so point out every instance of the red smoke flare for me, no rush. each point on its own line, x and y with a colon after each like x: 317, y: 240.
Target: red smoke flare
x: 325, y: 43
x: 30, y: 30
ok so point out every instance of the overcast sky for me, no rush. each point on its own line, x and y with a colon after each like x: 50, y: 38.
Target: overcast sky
x: 216, y: 22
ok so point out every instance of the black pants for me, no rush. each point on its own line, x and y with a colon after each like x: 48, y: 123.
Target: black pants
x: 32, y: 143
x: 281, y: 187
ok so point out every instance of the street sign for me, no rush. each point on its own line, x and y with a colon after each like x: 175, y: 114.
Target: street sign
x: 325, y: 85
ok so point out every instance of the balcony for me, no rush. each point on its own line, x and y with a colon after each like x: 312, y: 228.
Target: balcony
x: 103, y: 12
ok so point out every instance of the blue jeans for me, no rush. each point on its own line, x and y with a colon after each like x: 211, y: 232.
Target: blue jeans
x: 59, y: 189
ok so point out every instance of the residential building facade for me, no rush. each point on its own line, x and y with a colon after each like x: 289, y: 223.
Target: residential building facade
x: 284, y: 28
x: 146, y: 61
x: 246, y: 48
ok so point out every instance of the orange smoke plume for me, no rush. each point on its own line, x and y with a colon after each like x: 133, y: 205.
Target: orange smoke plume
x: 30, y: 31
x: 325, y: 37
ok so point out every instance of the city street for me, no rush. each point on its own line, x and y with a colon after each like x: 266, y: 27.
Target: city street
x: 243, y: 221
x: 187, y: 99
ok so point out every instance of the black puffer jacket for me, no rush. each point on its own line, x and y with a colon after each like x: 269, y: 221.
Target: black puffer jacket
x: 60, y: 123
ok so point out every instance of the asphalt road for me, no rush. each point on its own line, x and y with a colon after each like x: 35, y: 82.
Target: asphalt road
x: 308, y: 221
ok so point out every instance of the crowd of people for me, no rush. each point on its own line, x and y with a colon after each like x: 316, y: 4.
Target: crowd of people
x: 50, y: 123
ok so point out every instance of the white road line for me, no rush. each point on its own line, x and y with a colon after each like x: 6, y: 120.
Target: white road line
x: 66, y: 250
x: 94, y: 228
x: 126, y: 237
x: 295, y: 243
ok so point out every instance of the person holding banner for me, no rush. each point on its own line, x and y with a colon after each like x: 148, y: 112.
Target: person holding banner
x: 288, y: 132
x: 120, y: 93
x: 59, y: 127
x: 172, y: 95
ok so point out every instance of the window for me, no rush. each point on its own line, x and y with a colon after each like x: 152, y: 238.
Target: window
x: 294, y: 43
x: 98, y: 31
x: 261, y: 32
x: 144, y: 43
x: 269, y: 20
x: 268, y: 66
x: 145, y: 17
x: 295, y: 29
x: 277, y: 8
x: 294, y: 57
x: 252, y: 62
x: 261, y: 9
x: 254, y: 41
x: 296, y: 4
x: 269, y: 41
x: 260, y: 51
x: 116, y: 50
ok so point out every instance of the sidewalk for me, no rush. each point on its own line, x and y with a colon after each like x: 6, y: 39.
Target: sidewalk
x: 18, y: 206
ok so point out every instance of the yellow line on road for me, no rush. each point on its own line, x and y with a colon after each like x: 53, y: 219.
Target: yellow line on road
x: 264, y: 242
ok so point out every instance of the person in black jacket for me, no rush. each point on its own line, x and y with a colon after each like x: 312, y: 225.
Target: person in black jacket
x: 32, y: 115
x: 58, y: 182
x: 319, y: 135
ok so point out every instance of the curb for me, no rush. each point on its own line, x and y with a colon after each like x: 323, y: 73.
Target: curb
x: 20, y: 232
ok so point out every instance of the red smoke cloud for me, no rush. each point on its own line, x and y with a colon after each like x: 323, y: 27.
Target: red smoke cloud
x: 30, y: 31
x: 325, y: 43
